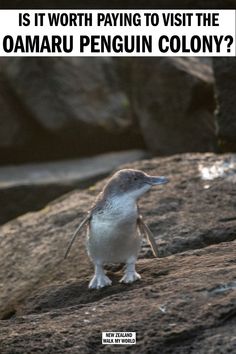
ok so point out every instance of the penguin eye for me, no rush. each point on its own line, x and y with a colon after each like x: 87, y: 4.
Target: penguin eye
x: 135, y: 178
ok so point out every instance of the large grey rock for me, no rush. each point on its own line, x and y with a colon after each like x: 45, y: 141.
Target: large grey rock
x: 30, y: 187
x: 13, y: 128
x: 62, y: 93
x: 173, y: 101
x: 225, y: 76
x: 76, y: 106
x: 71, y: 107
x: 185, y: 301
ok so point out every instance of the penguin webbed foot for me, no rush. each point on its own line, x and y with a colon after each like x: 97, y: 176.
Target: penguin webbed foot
x: 130, y: 277
x: 130, y: 274
x: 99, y: 281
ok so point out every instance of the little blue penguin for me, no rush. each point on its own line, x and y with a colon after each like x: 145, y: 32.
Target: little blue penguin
x: 115, y: 226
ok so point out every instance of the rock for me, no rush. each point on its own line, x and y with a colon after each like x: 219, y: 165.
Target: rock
x: 174, y: 102
x: 72, y: 107
x: 225, y: 76
x: 178, y: 307
x: 76, y: 105
x: 65, y: 92
x: 30, y: 187
x: 185, y: 301
x: 197, y: 207
x: 13, y: 128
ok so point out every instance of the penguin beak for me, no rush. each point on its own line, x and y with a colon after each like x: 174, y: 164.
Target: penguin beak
x: 154, y: 181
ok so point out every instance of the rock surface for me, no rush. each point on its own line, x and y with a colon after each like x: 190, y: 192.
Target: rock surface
x: 76, y: 106
x: 30, y: 187
x: 64, y: 92
x: 173, y: 100
x: 12, y: 128
x: 225, y: 75
x: 185, y: 302
x: 70, y: 107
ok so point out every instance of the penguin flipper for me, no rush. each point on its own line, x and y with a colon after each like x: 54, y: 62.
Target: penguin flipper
x: 149, y: 235
x: 83, y: 223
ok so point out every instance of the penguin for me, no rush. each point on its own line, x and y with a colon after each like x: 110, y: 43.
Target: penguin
x: 115, y: 226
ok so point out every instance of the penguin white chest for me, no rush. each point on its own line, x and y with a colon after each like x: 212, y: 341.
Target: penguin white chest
x: 113, y: 236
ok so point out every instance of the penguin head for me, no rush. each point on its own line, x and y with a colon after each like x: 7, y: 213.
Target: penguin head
x: 133, y: 183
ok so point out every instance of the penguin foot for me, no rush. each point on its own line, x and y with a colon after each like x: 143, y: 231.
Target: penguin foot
x: 99, y: 281
x: 130, y: 277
